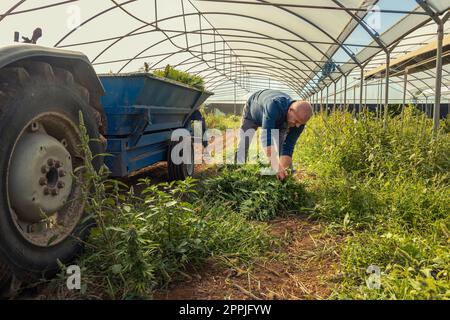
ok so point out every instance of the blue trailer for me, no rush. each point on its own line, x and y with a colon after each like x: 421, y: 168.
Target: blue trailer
x: 42, y: 92
x: 142, y: 111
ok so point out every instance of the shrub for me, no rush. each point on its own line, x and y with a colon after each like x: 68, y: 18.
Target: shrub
x: 245, y: 190
x: 386, y: 187
x: 180, y: 76
x: 143, y: 241
x: 221, y: 121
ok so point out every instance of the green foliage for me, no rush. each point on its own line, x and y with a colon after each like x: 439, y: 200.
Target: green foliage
x: 144, y: 241
x: 256, y: 196
x: 180, y: 76
x: 387, y: 188
x: 221, y: 121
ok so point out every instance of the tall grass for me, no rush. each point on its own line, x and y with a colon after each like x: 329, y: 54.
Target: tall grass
x: 222, y: 122
x: 145, y: 241
x: 387, y: 188
x: 171, y: 73
x: 258, y: 197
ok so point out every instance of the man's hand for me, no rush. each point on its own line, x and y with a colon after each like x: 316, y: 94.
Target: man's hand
x: 282, y: 174
x: 285, y: 163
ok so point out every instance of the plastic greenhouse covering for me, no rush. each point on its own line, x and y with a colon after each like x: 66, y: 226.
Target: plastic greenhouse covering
x: 302, y: 47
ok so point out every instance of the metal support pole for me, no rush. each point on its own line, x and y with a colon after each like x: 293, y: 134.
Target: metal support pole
x: 380, y: 99
x: 437, y: 101
x: 335, y: 96
x: 321, y: 101
x: 156, y: 14
x: 354, y: 99
x: 361, y: 91
x: 345, y: 91
x: 365, y: 95
x: 386, y: 94
x: 405, y: 85
x: 235, y: 107
x: 377, y: 97
x: 326, y: 106
x: 440, y: 34
x: 318, y: 101
x: 313, y: 101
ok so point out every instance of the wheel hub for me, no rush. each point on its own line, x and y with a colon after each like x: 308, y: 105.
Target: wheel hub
x: 40, y: 177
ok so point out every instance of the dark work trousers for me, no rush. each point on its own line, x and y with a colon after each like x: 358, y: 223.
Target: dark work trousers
x: 246, y: 134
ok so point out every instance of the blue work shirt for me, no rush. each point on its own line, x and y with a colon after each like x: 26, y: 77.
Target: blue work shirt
x: 268, y: 109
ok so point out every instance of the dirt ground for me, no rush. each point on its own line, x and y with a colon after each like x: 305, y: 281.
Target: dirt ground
x: 301, y: 267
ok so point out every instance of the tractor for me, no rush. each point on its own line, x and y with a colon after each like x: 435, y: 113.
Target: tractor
x: 42, y: 92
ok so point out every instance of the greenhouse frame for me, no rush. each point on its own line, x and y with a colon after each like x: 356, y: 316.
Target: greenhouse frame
x: 335, y: 53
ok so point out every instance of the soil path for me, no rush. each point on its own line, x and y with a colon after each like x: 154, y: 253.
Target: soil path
x: 302, y: 267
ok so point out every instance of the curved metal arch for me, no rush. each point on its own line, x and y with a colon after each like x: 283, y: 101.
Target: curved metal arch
x: 260, y: 44
x: 267, y: 38
x: 364, y: 26
x: 212, y: 76
x: 93, y: 18
x: 168, y: 55
x: 237, y: 55
x: 272, y: 24
x: 342, y: 46
x: 257, y: 82
x: 249, y: 17
x: 10, y: 13
x: 146, y: 24
x: 192, y: 64
x: 14, y: 7
x: 246, y: 63
x: 156, y: 22
x: 178, y: 35
x: 185, y: 15
x: 275, y: 76
x: 290, y: 74
x: 293, y: 85
x: 210, y: 71
x: 289, y: 82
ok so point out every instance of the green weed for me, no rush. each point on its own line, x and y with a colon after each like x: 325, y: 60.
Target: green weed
x: 387, y: 188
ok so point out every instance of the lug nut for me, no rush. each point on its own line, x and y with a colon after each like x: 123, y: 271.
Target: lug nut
x: 58, y: 164
x: 55, y: 192
x: 62, y: 173
x: 51, y: 162
x: 44, y: 169
x: 46, y: 191
x: 61, y: 185
x: 42, y: 181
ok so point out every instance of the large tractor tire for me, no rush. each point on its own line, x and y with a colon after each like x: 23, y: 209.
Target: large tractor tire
x: 42, y: 219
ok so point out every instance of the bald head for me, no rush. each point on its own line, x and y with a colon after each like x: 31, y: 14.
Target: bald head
x: 299, y: 113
